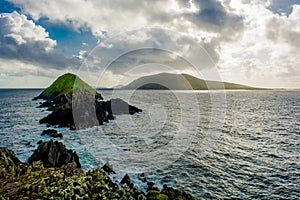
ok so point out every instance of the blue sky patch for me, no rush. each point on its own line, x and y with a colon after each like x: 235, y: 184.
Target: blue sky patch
x: 7, y: 7
x: 68, y: 40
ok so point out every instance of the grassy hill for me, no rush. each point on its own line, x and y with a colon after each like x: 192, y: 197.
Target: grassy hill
x: 65, y: 85
x: 181, y: 82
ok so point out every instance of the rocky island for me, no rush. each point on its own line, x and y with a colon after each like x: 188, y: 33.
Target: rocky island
x: 77, y: 105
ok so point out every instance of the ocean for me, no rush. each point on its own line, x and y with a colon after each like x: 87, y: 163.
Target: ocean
x: 213, y: 144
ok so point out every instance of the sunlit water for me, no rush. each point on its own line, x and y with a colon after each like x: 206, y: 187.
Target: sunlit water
x: 238, y: 144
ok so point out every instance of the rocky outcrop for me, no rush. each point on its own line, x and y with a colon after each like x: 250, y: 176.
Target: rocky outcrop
x: 77, y: 105
x: 10, y: 165
x: 54, y: 154
x: 39, y: 180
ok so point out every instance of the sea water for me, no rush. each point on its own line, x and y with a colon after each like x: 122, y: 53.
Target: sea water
x: 213, y: 144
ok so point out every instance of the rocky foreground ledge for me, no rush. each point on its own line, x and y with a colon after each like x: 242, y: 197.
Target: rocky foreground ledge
x: 54, y: 172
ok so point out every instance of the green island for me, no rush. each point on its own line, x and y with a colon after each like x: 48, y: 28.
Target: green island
x: 170, y: 81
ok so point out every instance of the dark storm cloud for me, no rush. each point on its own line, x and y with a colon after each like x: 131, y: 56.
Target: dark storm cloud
x: 213, y: 17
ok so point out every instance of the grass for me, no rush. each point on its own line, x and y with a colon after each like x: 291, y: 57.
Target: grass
x: 65, y: 84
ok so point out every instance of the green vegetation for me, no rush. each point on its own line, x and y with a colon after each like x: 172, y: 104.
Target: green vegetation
x: 156, y: 195
x: 35, y: 181
x: 182, y: 82
x: 65, y: 84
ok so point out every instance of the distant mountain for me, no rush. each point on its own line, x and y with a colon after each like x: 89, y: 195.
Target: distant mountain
x: 181, y: 82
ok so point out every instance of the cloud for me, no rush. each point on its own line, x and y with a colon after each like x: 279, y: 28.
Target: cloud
x: 213, y: 16
x: 268, y: 49
x: 113, y: 17
x: 22, y: 39
x: 285, y: 29
x: 282, y: 7
x: 153, y: 46
x: 16, y: 29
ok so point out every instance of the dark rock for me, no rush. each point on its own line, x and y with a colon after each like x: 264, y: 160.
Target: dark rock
x: 49, y: 132
x: 81, y: 105
x: 61, y: 116
x: 173, y: 193
x: 119, y: 106
x: 126, y: 180
x: 72, y: 127
x: 71, y: 169
x: 52, y: 133
x: 151, y: 186
x: 143, y: 179
x: 84, y: 115
x: 10, y: 165
x: 108, y: 168
x: 54, y: 154
x: 40, y: 142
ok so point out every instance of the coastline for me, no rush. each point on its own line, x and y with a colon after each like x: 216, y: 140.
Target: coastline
x: 44, y: 177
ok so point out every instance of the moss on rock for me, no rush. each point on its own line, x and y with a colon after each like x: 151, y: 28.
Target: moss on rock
x: 35, y: 181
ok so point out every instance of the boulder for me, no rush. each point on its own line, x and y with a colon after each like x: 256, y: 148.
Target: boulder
x: 54, y: 154
x: 126, y: 180
x: 108, y: 168
x: 52, y: 133
x: 119, y: 106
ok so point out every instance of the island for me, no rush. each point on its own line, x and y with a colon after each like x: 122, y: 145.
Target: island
x: 77, y: 105
x: 169, y: 81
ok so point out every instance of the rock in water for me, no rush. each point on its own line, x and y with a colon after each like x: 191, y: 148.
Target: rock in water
x: 126, y: 180
x: 52, y: 133
x: 77, y: 105
x: 54, y: 154
x: 108, y: 168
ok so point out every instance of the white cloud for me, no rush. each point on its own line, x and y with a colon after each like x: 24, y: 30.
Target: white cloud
x: 16, y: 28
x: 268, y: 53
x: 21, y: 39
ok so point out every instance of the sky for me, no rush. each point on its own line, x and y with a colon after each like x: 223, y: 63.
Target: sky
x: 110, y: 43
